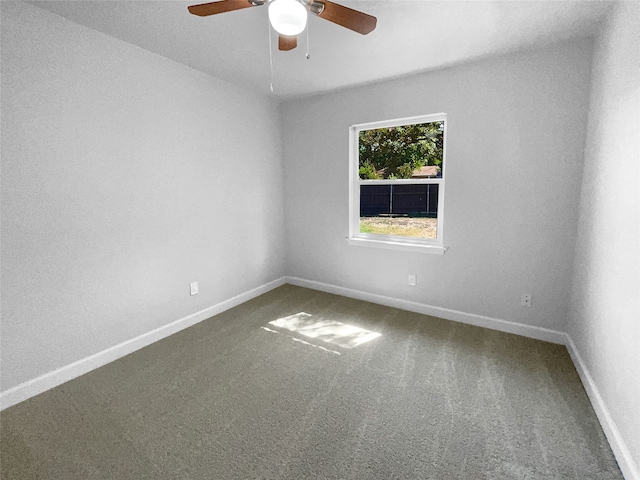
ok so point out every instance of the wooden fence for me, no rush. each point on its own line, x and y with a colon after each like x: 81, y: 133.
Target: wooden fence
x: 403, y: 200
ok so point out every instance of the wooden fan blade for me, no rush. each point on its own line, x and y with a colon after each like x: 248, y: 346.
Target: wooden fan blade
x: 286, y: 43
x: 347, y: 17
x: 206, y: 9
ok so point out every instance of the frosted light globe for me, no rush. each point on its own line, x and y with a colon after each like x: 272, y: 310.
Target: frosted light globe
x: 287, y: 17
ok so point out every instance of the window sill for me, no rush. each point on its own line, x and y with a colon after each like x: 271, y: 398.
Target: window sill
x: 391, y: 245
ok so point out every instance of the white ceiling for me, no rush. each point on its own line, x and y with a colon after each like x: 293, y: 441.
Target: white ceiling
x: 411, y: 36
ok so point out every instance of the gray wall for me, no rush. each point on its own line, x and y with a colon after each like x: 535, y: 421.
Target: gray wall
x: 604, y: 317
x: 119, y: 187
x: 516, y: 129
x: 125, y: 176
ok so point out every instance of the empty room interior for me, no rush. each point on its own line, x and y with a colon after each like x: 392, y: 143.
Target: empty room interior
x: 227, y: 250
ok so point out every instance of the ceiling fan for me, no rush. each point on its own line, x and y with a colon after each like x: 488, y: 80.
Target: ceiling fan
x: 289, y: 17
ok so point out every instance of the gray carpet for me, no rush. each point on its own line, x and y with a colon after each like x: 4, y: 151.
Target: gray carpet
x: 236, y: 397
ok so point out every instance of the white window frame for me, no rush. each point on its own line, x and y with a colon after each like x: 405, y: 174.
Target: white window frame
x: 394, y: 242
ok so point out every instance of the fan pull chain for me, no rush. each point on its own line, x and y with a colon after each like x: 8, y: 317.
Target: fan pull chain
x: 270, y: 52
x: 308, y: 54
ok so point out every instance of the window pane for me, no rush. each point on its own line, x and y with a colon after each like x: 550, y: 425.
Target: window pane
x: 375, y: 200
x: 409, y: 151
x: 402, y: 210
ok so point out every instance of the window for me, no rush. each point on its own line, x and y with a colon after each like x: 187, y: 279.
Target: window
x: 397, y: 183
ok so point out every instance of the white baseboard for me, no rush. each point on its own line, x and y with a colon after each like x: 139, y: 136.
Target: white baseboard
x: 623, y: 456
x: 538, y: 333
x: 57, y: 377
x: 629, y: 468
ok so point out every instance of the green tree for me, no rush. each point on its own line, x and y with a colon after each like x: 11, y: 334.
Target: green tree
x: 406, y: 170
x: 396, y: 152
x: 368, y: 172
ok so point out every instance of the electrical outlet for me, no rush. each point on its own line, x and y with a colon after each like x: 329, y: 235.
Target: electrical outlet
x: 413, y: 279
x: 525, y: 300
x: 193, y: 286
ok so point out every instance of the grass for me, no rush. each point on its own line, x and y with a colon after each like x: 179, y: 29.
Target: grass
x: 400, y: 226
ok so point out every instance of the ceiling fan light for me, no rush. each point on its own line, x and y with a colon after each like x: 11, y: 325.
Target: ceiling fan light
x: 287, y: 17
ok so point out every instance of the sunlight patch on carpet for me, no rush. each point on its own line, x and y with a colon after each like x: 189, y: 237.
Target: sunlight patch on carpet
x: 302, y: 341
x: 330, y: 331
